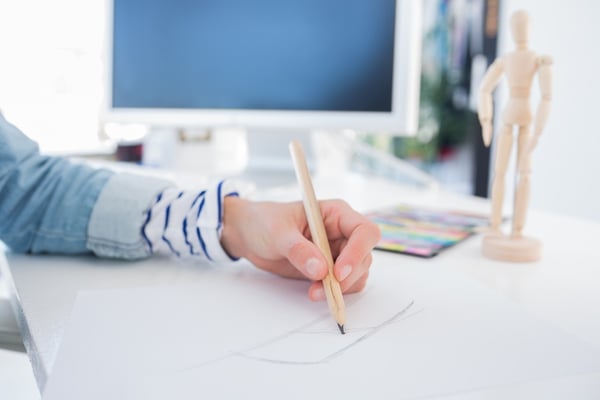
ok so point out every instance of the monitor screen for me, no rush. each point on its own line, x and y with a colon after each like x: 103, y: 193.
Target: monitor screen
x: 307, y: 63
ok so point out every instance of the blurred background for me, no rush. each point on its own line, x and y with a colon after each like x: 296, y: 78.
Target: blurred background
x: 51, y: 86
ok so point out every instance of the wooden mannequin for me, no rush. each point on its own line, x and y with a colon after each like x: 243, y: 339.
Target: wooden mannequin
x: 519, y: 66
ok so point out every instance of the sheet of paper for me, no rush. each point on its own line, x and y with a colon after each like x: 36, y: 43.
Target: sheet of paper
x: 414, y: 332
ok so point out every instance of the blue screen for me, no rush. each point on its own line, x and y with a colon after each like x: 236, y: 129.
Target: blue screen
x: 329, y: 55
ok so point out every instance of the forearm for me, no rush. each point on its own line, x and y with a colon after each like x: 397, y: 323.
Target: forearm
x: 45, y: 202
x: 48, y: 210
x: 541, y: 116
x: 51, y: 205
x: 488, y: 83
x: 545, y: 81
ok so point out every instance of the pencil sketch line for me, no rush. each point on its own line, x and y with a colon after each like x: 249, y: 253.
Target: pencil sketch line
x: 369, y: 334
x: 286, y: 334
x: 257, y: 346
x: 274, y: 361
x: 355, y: 330
x: 303, y: 330
x: 337, y: 353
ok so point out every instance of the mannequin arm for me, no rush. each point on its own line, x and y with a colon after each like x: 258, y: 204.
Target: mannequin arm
x: 545, y: 82
x: 485, y: 108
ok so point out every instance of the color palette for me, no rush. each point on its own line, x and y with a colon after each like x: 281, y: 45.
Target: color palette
x: 424, y: 232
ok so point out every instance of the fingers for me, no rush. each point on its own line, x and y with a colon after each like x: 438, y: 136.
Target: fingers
x: 354, y: 282
x: 487, y: 133
x: 341, y: 220
x: 279, y: 267
x: 360, y: 284
x: 360, y: 243
x: 487, y: 137
x: 354, y: 237
x: 358, y: 272
x: 355, y: 256
x: 289, y: 252
x: 307, y: 258
x: 316, y: 292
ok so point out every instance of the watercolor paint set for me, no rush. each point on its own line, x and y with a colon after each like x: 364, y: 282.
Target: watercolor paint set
x: 424, y: 232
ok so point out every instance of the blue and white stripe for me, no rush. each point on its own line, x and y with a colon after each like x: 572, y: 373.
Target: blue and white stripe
x: 188, y: 223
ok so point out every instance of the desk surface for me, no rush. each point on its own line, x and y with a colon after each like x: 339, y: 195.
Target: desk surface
x: 562, y: 288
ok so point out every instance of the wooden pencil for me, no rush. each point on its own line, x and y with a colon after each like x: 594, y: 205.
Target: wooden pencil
x: 331, y: 286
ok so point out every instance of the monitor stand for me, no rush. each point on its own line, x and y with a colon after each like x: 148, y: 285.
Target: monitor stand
x: 328, y: 154
x: 262, y: 157
x: 269, y: 163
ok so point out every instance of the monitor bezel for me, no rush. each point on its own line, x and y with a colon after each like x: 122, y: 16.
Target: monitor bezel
x: 402, y: 120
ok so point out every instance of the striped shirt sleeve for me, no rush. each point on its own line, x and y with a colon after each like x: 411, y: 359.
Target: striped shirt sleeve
x: 188, y: 223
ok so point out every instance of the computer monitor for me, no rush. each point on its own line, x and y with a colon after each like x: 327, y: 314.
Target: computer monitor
x: 284, y: 65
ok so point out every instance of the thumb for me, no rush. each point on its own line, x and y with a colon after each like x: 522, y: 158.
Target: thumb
x: 306, y: 257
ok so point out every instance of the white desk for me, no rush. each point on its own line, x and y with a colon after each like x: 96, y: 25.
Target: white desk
x: 562, y: 289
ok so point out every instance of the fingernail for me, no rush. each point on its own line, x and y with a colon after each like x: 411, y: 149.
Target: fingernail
x: 346, y: 270
x: 312, y: 268
x: 318, y: 294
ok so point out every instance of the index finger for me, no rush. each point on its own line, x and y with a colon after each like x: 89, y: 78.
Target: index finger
x: 362, y: 234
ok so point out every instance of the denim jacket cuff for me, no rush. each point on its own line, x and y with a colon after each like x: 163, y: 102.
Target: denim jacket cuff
x: 114, y: 228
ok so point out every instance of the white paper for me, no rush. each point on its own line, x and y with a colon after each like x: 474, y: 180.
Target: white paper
x: 414, y: 332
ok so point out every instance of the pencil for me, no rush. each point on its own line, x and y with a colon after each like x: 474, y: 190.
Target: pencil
x: 331, y: 286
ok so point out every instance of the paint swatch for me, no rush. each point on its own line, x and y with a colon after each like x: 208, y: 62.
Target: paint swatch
x: 424, y: 232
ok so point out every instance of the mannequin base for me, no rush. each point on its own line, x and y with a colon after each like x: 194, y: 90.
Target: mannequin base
x: 506, y: 248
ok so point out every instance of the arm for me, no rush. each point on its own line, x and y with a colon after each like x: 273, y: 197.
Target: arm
x: 45, y: 202
x: 543, y: 110
x: 48, y: 204
x: 485, y: 108
x: 219, y: 226
x: 51, y: 205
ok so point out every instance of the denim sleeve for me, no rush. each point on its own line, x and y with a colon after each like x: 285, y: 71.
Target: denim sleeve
x: 52, y: 205
x: 45, y: 202
x: 115, y: 228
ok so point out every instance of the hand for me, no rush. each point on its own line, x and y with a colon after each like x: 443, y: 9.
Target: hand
x: 275, y: 238
x: 486, y: 131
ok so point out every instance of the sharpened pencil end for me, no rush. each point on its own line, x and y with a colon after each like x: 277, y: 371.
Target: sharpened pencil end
x: 341, y: 329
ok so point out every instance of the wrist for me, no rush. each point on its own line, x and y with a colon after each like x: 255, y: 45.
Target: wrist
x: 231, y: 240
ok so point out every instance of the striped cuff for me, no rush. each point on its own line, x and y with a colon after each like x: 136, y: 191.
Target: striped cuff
x: 188, y: 223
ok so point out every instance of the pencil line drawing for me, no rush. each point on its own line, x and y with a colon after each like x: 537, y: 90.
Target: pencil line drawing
x: 353, y: 337
x: 369, y: 332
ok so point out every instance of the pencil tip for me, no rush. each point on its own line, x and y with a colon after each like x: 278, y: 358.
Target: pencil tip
x: 341, y: 329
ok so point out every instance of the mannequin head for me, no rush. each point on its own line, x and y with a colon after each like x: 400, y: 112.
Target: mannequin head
x: 519, y: 26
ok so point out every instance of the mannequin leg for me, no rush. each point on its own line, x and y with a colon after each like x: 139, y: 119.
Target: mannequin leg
x: 522, y: 192
x: 500, y: 164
